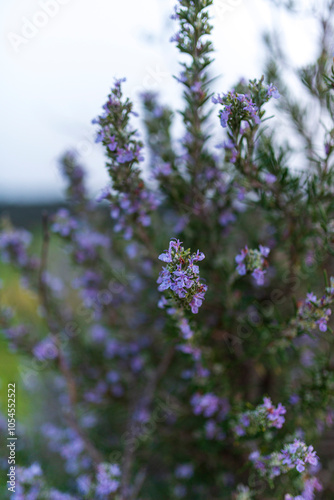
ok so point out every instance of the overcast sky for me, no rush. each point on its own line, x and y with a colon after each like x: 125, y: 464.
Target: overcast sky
x: 59, y: 58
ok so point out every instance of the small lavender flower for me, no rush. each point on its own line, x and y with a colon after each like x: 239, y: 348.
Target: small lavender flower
x: 273, y: 92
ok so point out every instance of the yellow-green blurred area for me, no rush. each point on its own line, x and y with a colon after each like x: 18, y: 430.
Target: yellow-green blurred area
x: 24, y: 304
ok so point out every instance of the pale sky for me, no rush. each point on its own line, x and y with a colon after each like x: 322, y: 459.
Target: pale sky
x: 56, y: 76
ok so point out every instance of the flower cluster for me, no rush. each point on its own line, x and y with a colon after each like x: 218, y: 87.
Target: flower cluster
x: 69, y: 445
x: 130, y: 202
x: 236, y: 107
x: 254, y: 262
x: 314, y: 313
x: 262, y: 417
x: 215, y: 410
x: 30, y: 484
x: 269, y: 466
x: 107, y: 478
x: 181, y: 276
x: 274, y: 415
x: 298, y: 454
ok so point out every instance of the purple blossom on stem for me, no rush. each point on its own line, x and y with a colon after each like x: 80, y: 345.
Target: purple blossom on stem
x: 46, y: 349
x: 258, y: 274
x: 181, y: 276
x: 63, y: 223
x: 273, y: 92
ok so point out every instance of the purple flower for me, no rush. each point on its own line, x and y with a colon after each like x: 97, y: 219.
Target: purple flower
x: 264, y: 251
x: 84, y: 483
x: 164, y: 169
x: 239, y: 430
x: 181, y: 276
x: 107, y: 479
x: 274, y: 415
x: 273, y: 92
x: 98, y: 333
x: 124, y: 155
x: 13, y: 246
x: 310, y: 297
x: 294, y: 399
x: 64, y: 224
x: 206, y: 404
x: 165, y: 280
x: 188, y: 349
x: 224, y: 115
x: 46, y: 349
x: 175, y: 38
x: 198, y: 256
x: 241, y: 269
x: 162, y: 302
x: 270, y: 178
x: 241, y: 257
x: 182, y: 279
x: 311, y: 456
x: 322, y: 323
x: 226, y: 217
x: 244, y: 420
x: 165, y: 257
x: 258, y: 274
x: 255, y: 455
x: 113, y: 143
x: 300, y: 466
x: 184, y: 471
x: 185, y: 329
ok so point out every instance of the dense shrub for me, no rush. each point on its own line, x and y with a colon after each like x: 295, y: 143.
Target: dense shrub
x: 183, y: 345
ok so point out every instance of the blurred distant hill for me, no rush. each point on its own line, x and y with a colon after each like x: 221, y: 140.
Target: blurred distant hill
x: 27, y: 215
